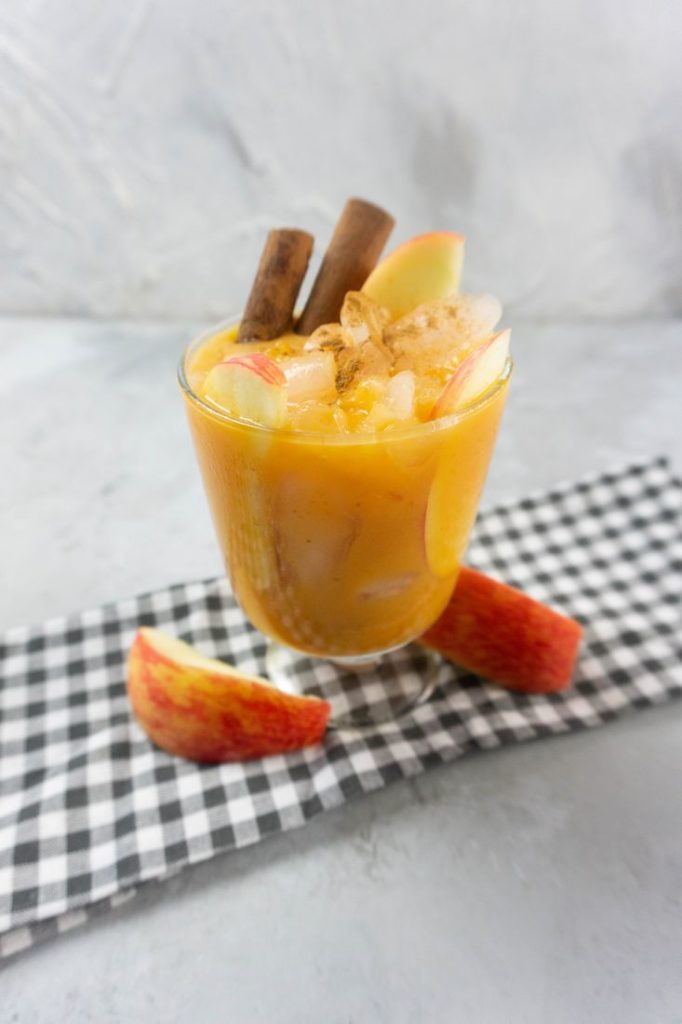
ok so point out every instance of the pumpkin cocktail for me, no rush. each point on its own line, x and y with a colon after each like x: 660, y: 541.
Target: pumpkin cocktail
x: 343, y: 454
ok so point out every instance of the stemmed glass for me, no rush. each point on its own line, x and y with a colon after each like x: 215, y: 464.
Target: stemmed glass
x: 344, y: 548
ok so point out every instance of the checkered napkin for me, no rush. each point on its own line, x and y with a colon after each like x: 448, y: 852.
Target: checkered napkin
x: 90, y: 811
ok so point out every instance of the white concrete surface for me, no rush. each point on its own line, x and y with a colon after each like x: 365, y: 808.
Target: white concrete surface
x: 146, y: 147
x: 537, y: 885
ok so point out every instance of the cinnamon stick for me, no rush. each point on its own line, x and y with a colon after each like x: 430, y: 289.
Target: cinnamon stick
x: 356, y: 245
x: 270, y: 307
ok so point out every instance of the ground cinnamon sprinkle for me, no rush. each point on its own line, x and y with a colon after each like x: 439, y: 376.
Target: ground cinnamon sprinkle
x: 334, y: 345
x: 346, y: 374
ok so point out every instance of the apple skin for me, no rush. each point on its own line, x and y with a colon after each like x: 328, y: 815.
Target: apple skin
x: 505, y: 636
x: 205, y: 710
x: 250, y: 387
x: 423, y: 269
x: 474, y: 375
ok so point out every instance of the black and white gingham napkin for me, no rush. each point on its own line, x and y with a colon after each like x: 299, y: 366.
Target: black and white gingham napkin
x: 89, y: 810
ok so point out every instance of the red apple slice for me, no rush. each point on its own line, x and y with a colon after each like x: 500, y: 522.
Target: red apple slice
x: 249, y: 387
x: 206, y: 710
x: 505, y: 636
x: 474, y: 375
x: 420, y: 270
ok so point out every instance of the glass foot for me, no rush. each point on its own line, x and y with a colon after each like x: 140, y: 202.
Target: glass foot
x: 361, y: 691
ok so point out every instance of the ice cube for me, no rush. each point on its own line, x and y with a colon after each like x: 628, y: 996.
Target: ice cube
x: 316, y: 528
x: 367, y: 392
x: 441, y: 333
x: 374, y: 360
x: 360, y: 362
x: 429, y: 386
x: 484, y: 311
x: 392, y: 405
x: 310, y: 376
x: 328, y: 337
x: 400, y: 395
x: 363, y: 318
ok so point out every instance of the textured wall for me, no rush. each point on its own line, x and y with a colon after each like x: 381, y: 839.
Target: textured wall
x: 145, y: 147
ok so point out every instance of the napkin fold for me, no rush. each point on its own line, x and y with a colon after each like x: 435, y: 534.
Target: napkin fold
x: 90, y: 811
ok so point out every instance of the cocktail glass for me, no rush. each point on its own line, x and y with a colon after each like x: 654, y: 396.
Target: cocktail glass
x: 344, y: 548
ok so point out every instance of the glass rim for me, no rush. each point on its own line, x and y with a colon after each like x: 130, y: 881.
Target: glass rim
x: 325, y: 437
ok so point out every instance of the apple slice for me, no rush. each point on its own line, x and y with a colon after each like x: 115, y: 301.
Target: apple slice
x: 505, y: 636
x: 249, y: 387
x: 206, y: 710
x: 420, y: 270
x: 457, y: 484
x: 474, y: 375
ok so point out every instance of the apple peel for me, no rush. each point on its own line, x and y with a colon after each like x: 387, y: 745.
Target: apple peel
x: 475, y: 374
x: 503, y: 635
x: 206, y: 710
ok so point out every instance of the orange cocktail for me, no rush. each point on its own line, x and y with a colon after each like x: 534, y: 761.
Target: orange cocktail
x: 340, y: 540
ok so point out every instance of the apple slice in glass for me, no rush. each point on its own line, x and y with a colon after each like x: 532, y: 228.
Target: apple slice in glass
x: 474, y: 375
x: 250, y: 387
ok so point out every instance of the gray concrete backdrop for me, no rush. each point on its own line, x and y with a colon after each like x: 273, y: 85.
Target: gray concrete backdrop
x: 146, y: 146
x: 541, y: 884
